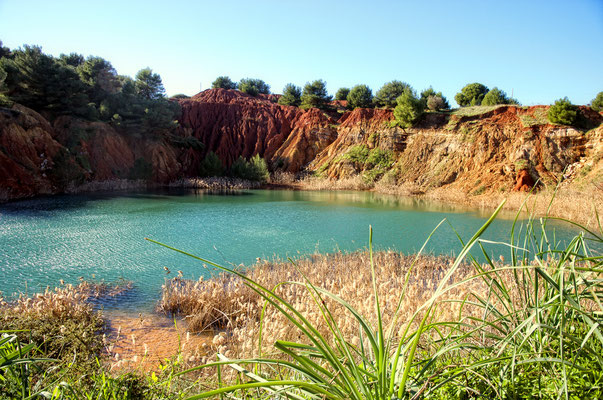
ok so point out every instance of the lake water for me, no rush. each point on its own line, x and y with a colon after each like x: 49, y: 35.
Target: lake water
x: 101, y: 236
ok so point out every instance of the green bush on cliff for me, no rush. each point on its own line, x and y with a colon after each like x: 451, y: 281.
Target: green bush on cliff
x: 211, y: 165
x: 563, y: 112
x: 597, y: 103
x: 471, y: 95
x: 223, y: 82
x: 291, y: 95
x: 361, y: 96
x: 496, y: 96
x: 253, y: 87
x: 315, y: 95
x: 342, y: 93
x: 255, y: 169
x: 433, y: 100
x: 142, y: 169
x: 408, y: 110
x: 389, y: 92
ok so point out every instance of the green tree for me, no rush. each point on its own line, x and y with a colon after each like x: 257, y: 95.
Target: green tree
x: 253, y: 86
x: 563, y: 112
x: 223, y: 82
x: 438, y: 101
x: 597, y: 103
x: 315, y: 95
x: 360, y: 96
x: 471, y: 95
x: 149, y: 85
x: 98, y: 74
x: 211, y: 165
x: 342, y: 93
x: 389, y: 92
x: 72, y: 59
x: 291, y: 95
x: 253, y: 170
x: 4, y: 51
x: 495, y: 96
x: 408, y: 110
x: 38, y: 81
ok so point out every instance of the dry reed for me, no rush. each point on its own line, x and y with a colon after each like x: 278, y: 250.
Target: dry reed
x: 233, y: 310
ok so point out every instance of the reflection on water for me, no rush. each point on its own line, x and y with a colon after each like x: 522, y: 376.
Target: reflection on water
x: 101, y: 236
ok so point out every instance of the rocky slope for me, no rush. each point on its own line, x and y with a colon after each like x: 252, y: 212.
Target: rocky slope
x: 502, y: 148
x: 497, y: 148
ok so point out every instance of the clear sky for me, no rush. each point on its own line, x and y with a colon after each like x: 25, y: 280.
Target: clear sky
x: 536, y: 50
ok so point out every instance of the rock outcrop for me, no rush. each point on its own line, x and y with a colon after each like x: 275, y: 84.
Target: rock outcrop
x: 504, y: 148
x: 493, y: 150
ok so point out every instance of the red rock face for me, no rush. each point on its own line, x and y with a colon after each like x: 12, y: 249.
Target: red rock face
x: 524, y: 181
x: 233, y: 124
x: 26, y: 152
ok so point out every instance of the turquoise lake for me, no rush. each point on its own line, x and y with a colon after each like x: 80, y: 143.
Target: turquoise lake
x: 101, y: 236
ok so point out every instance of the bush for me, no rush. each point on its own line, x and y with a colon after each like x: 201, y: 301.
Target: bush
x: 597, y: 103
x: 254, y: 86
x: 315, y: 95
x: 211, y: 165
x: 495, y: 96
x: 357, y: 154
x: 342, y: 93
x: 360, y: 96
x: 408, y: 110
x: 255, y: 169
x: 142, y: 169
x: 471, y: 95
x: 438, y: 102
x: 389, y: 92
x: 291, y: 95
x: 223, y: 82
x: 563, y: 112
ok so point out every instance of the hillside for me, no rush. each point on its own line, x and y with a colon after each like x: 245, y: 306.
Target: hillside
x: 473, y: 150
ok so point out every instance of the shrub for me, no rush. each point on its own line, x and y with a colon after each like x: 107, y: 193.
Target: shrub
x: 471, y: 95
x: 495, y: 96
x: 408, y: 110
x: 211, y: 165
x: 253, y: 170
x: 180, y: 96
x: 360, y: 96
x: 563, y: 112
x: 357, y: 154
x: 597, y: 103
x: 389, y: 92
x: 315, y: 95
x: 142, y: 169
x: 223, y: 82
x: 436, y: 103
x: 254, y: 86
x: 342, y: 93
x: 291, y: 95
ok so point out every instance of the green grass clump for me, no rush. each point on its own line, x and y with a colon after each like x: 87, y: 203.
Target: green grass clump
x: 539, y: 116
x: 471, y: 111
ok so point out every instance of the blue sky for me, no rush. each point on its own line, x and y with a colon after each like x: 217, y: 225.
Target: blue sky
x: 538, y: 50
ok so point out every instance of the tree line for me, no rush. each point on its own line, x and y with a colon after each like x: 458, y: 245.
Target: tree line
x: 399, y: 96
x: 85, y: 87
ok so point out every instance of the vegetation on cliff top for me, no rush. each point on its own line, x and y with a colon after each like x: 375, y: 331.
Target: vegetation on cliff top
x: 86, y: 88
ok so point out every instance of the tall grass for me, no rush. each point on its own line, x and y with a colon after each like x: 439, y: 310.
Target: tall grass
x: 528, y: 328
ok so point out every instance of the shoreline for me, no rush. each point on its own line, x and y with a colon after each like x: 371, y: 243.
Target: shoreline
x: 568, y: 202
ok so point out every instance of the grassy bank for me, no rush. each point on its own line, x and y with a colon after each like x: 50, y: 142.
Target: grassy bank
x: 344, y: 326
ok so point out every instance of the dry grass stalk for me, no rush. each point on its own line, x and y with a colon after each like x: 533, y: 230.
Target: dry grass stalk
x: 225, y: 304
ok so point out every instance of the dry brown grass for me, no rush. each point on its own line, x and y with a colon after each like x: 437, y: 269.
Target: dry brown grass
x: 224, y: 304
x: 576, y: 205
x: 315, y: 183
